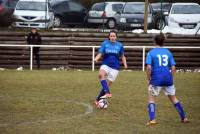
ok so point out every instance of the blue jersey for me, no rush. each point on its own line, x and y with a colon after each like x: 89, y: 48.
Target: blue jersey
x: 161, y: 61
x: 111, y: 53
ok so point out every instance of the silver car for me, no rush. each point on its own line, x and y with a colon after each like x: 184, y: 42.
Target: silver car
x: 102, y: 13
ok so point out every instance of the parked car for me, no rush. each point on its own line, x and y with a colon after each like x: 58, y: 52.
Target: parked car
x: 103, y: 13
x: 159, y: 17
x: 132, y: 16
x: 68, y: 12
x: 6, y: 10
x: 33, y: 13
x: 157, y: 7
x: 184, y: 15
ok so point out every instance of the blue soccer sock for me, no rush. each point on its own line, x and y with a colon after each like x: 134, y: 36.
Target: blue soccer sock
x: 101, y: 93
x: 105, y: 86
x: 151, y: 110
x: 180, y: 110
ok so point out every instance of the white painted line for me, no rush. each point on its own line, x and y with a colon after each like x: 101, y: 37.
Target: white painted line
x: 89, y: 110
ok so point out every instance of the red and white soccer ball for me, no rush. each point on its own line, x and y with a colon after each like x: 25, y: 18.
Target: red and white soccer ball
x: 103, y: 103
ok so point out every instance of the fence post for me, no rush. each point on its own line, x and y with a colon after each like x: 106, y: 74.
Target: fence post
x: 31, y: 57
x: 143, y: 58
x: 93, y: 54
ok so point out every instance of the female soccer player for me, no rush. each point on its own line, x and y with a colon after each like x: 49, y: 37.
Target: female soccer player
x: 111, y: 50
x: 160, y: 69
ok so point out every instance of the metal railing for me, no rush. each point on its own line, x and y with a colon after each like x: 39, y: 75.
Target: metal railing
x: 93, y: 51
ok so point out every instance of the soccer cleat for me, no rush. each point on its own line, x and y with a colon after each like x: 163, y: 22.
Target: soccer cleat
x: 107, y: 95
x: 151, y: 123
x: 185, y: 120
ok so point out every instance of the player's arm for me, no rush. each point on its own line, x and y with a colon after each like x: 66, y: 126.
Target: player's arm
x: 148, y: 71
x: 100, y: 52
x: 172, y: 64
x: 148, y: 66
x: 173, y: 70
x: 96, y: 59
x: 124, y: 61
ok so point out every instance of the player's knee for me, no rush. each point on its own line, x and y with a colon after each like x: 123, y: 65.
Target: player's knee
x: 101, y: 76
x: 173, y: 98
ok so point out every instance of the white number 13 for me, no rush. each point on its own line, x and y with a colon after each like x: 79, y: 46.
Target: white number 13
x: 163, y: 60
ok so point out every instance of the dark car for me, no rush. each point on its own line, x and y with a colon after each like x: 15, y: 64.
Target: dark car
x: 68, y: 12
x: 132, y: 16
x: 6, y: 10
x: 159, y: 17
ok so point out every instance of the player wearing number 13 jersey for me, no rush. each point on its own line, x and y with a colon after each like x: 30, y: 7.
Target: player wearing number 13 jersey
x: 161, y: 61
x: 160, y: 69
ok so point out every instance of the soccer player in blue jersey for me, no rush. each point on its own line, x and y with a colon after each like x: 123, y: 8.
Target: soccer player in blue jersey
x: 160, y: 69
x: 111, y: 50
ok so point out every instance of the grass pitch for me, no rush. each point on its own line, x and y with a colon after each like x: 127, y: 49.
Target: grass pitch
x: 61, y: 102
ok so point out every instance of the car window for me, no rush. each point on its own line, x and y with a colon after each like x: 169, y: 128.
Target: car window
x: 134, y: 9
x: 117, y: 7
x: 61, y: 7
x: 12, y: 3
x: 157, y: 6
x: 75, y: 6
x: 98, y: 7
x: 185, y: 9
x: 7, y: 3
x: 50, y: 8
x: 166, y: 7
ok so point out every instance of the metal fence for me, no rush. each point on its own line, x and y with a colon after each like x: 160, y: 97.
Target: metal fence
x: 143, y: 49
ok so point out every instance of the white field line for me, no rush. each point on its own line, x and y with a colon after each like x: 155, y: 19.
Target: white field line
x: 89, y: 110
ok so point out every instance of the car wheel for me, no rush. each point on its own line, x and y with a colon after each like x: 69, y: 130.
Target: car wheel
x: 111, y: 23
x: 57, y: 21
x: 160, y: 24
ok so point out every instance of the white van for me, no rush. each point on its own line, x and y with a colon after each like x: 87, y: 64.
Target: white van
x: 33, y: 13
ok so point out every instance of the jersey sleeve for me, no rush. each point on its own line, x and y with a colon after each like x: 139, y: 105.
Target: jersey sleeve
x: 148, y: 59
x: 102, y: 48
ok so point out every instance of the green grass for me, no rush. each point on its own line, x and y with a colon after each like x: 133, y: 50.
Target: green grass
x: 50, y: 102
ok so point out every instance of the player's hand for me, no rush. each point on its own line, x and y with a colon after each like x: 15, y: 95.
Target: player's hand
x: 95, y: 61
x: 148, y: 82
x: 125, y: 66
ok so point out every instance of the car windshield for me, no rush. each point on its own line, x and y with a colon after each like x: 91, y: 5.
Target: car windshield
x: 37, y: 6
x: 185, y: 9
x: 134, y: 9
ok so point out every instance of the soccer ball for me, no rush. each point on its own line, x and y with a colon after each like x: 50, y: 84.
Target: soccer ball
x: 103, y: 103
